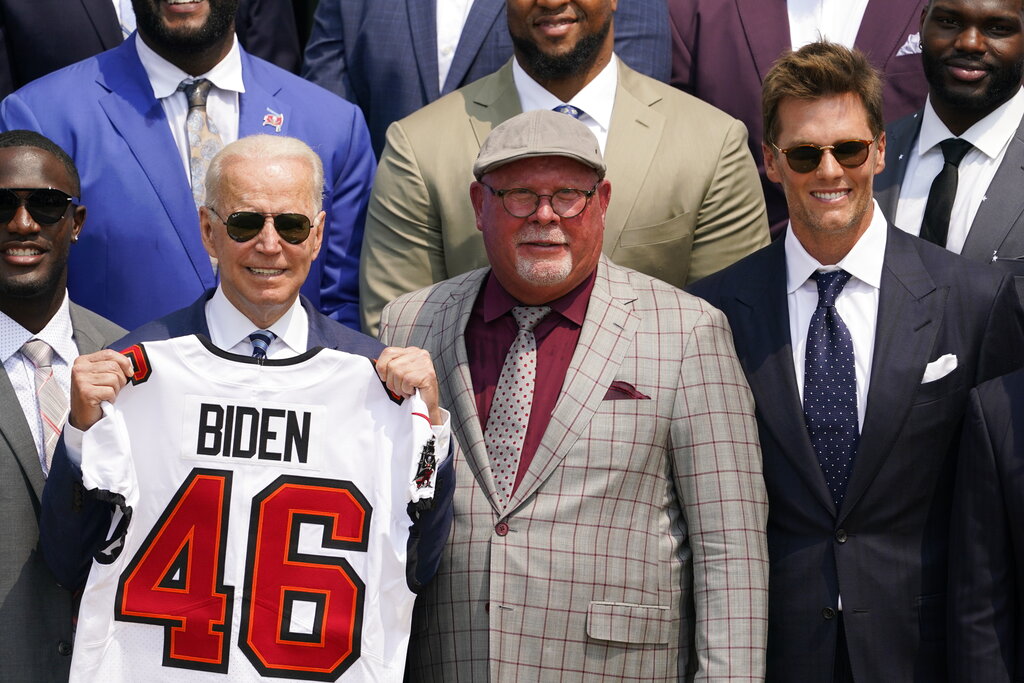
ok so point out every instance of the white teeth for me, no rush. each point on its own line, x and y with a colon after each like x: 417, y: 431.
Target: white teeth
x: 829, y: 195
x: 181, y: 2
x: 24, y: 252
x: 266, y: 271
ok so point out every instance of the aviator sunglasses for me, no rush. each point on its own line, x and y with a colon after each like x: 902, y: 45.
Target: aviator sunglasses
x: 242, y: 226
x: 45, y: 205
x: 805, y: 158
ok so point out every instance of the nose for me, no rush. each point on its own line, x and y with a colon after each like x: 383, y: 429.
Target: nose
x: 970, y: 40
x: 545, y: 213
x: 268, y: 241
x: 829, y: 167
x: 22, y: 222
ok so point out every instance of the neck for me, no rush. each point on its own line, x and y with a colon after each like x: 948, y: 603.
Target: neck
x: 959, y: 119
x: 33, y: 313
x: 198, y: 62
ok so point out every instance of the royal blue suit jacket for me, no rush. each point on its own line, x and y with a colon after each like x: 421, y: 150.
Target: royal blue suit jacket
x: 141, y: 256
x: 73, y: 524
x: 382, y: 54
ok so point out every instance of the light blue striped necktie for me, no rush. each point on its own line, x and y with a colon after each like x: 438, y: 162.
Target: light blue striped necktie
x: 261, y: 342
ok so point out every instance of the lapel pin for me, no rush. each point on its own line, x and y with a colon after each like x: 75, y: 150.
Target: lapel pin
x: 273, y: 119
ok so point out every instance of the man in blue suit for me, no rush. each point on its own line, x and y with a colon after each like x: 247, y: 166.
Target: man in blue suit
x: 255, y: 189
x: 389, y: 57
x: 127, y: 132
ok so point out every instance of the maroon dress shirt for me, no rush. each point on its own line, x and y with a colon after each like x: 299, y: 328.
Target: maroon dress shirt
x: 491, y: 331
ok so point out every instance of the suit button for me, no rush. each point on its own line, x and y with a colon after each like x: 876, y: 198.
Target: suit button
x: 841, y: 535
x: 63, y: 648
x: 487, y: 607
x: 828, y: 613
x: 501, y: 528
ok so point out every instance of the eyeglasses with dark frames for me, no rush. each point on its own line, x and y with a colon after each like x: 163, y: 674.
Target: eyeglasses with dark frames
x: 242, y: 226
x: 520, y: 202
x: 807, y: 157
x: 45, y: 204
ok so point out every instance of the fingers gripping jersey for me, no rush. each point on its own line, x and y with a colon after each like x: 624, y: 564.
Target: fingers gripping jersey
x: 265, y: 520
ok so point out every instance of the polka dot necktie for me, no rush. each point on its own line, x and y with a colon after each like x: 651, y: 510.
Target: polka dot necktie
x: 513, y: 396
x: 261, y: 342
x: 572, y: 111
x: 830, y: 386
x: 52, y: 401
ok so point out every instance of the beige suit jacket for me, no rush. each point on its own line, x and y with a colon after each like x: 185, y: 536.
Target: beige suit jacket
x: 686, y: 198
x: 635, y: 543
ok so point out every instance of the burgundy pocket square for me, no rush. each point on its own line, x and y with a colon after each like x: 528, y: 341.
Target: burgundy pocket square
x: 619, y: 391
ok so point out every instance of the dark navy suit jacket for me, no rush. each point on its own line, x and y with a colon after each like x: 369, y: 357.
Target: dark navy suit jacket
x: 73, y: 524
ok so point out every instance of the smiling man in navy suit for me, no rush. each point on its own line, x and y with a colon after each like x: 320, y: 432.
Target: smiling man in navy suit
x: 860, y: 344
x: 134, y: 134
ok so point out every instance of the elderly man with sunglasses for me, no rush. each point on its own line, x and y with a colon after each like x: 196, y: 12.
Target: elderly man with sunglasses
x: 263, y: 226
x: 860, y: 343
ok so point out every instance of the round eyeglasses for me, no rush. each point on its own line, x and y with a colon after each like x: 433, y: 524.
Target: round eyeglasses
x: 805, y: 158
x: 520, y: 202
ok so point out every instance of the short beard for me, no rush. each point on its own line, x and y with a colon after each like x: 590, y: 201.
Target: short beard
x: 34, y: 288
x: 218, y: 24
x: 544, y: 67
x: 1002, y: 86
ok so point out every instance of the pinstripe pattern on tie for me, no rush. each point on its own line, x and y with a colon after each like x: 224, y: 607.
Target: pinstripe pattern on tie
x: 261, y: 342
x: 53, y: 402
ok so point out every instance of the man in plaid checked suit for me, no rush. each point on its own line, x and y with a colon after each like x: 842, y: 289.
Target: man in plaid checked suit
x: 611, y: 526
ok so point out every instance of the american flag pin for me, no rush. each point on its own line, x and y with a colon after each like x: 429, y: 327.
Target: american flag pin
x: 273, y: 119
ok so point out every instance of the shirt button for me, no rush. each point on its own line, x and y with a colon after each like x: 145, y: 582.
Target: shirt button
x: 63, y: 648
x: 841, y: 535
x: 501, y: 528
x: 828, y: 613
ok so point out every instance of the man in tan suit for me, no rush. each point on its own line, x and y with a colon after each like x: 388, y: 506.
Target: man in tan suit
x: 687, y: 202
x: 610, y: 525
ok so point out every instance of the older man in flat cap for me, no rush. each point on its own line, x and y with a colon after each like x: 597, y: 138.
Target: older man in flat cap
x: 609, y: 506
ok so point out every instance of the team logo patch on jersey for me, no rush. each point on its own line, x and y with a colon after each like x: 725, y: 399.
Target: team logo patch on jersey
x: 140, y: 362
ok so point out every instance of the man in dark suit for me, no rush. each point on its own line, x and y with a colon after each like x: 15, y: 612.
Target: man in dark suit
x: 142, y: 168
x: 387, y: 55
x: 264, y: 224
x: 986, y: 571
x: 860, y: 344
x: 973, y: 54
x: 40, y: 36
x: 37, y: 227
x: 722, y: 49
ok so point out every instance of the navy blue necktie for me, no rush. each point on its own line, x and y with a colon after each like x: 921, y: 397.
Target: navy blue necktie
x: 830, y: 386
x: 572, y: 111
x: 261, y: 342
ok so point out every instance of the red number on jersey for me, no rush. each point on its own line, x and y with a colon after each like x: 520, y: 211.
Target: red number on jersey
x: 176, y: 579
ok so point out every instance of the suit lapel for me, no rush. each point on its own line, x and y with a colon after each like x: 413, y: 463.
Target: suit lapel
x: 761, y: 329
x: 1002, y: 207
x: 423, y: 29
x: 260, y: 101
x: 879, y: 30
x: 766, y: 27
x: 496, y: 102
x: 482, y: 16
x: 139, y: 119
x: 632, y: 143
x: 87, y: 338
x: 910, y: 312
x: 605, y: 338
x: 104, y: 20
x: 899, y: 143
x: 15, y: 431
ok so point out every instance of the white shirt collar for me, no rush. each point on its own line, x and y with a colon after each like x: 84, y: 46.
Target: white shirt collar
x: 229, y: 327
x: 864, y: 261
x: 58, y: 334
x: 990, y: 135
x: 596, y: 99
x: 165, y: 77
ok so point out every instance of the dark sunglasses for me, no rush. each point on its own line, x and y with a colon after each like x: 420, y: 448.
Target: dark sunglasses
x: 45, y: 205
x: 244, y: 225
x: 805, y: 158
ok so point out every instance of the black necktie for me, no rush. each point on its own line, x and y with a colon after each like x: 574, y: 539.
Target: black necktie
x: 830, y: 386
x: 935, y: 225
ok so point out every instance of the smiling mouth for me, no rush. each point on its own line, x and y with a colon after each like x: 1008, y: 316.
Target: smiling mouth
x: 24, y: 251
x: 830, y: 196
x: 265, y: 272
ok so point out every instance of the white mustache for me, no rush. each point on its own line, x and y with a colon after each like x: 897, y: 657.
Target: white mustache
x: 552, y: 235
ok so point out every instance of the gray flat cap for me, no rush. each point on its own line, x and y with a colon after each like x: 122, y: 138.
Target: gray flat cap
x: 539, y: 133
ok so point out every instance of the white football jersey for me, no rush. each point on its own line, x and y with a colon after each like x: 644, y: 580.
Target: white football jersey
x: 266, y: 520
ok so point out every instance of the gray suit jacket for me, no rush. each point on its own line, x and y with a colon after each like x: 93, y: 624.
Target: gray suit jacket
x: 35, y: 613
x: 997, y: 233
x: 634, y: 545
x: 686, y: 200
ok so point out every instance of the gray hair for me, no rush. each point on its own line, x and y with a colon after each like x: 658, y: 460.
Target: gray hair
x: 266, y: 147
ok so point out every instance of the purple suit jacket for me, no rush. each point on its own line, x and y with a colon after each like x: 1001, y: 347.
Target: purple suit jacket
x: 725, y: 64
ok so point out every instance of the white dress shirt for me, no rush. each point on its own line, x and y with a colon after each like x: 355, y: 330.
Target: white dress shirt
x: 837, y: 21
x: 990, y: 136
x: 221, y: 103
x: 58, y: 334
x: 451, y: 19
x: 857, y: 304
x: 596, y: 99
